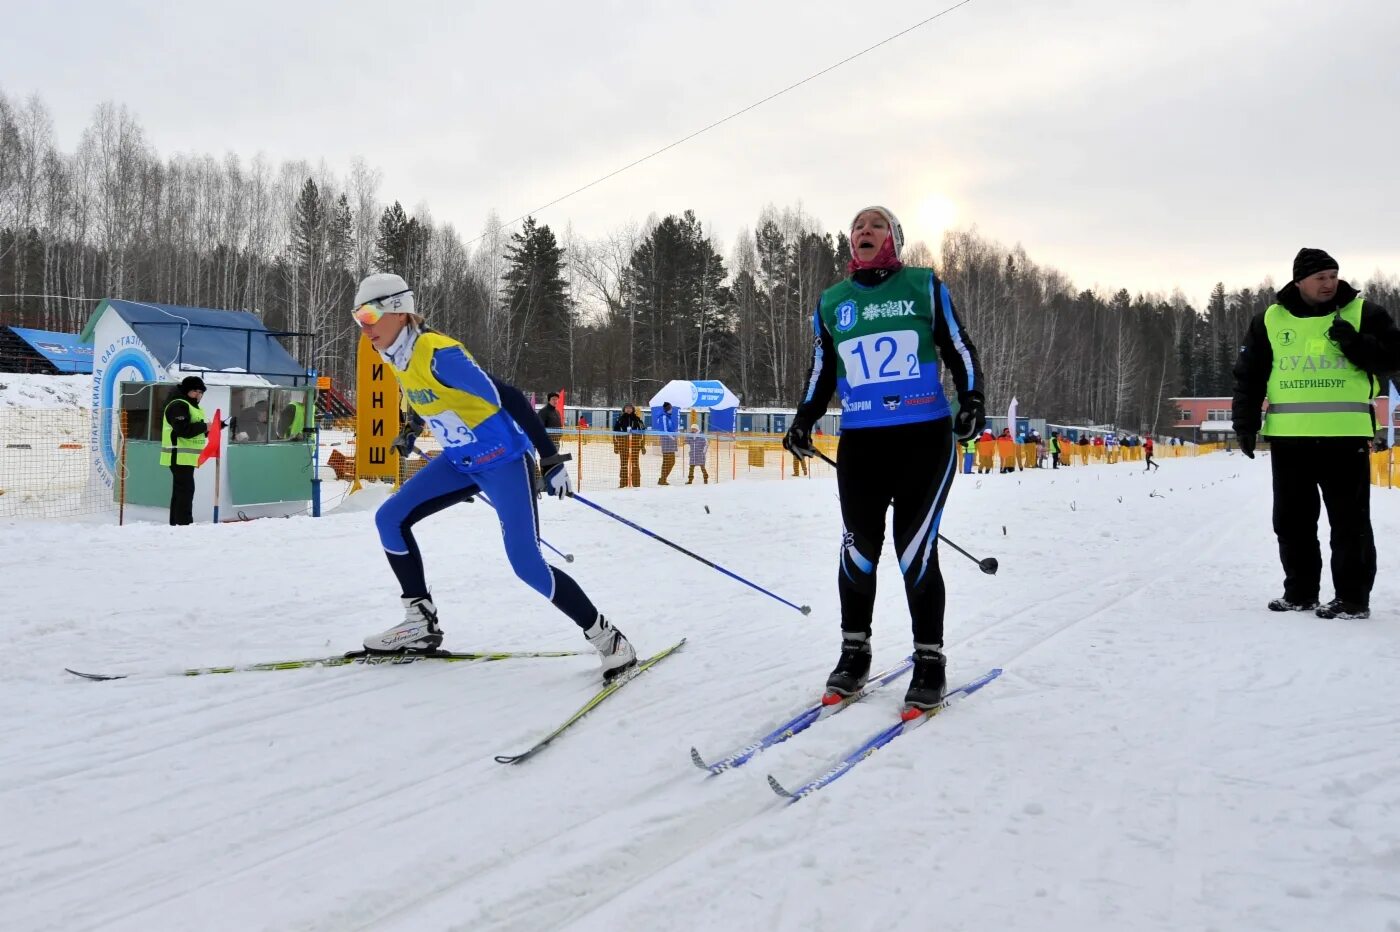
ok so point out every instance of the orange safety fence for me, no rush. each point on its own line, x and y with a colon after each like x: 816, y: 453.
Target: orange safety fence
x: 1385, y: 469
x: 605, y: 460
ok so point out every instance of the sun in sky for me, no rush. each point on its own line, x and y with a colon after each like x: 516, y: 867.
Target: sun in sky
x: 936, y: 213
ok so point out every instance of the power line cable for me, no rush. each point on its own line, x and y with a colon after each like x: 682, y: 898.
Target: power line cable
x: 735, y: 114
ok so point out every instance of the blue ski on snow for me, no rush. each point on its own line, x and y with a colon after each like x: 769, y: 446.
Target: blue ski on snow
x: 909, y: 719
x: 829, y: 705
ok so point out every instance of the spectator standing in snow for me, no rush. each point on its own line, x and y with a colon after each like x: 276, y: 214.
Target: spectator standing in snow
x: 697, y: 444
x: 549, y: 414
x: 667, y: 424
x: 629, y: 444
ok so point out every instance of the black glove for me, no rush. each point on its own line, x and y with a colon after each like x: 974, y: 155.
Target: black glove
x: 971, y: 419
x: 1247, y: 442
x: 798, y: 439
x: 1342, y: 333
x: 412, y: 427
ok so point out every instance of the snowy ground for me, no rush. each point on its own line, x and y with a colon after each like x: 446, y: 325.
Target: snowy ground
x: 1162, y: 753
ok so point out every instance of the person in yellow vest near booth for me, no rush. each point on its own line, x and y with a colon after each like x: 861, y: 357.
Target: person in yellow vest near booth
x: 1314, y: 355
x: 181, y: 440
x: 488, y: 433
x: 293, y: 422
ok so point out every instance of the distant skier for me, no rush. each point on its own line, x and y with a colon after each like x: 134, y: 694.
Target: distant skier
x: 1147, y: 448
x: 897, y: 437
x: 486, y: 428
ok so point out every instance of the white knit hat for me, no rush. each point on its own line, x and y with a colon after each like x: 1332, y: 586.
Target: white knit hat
x: 895, y: 229
x: 386, y: 285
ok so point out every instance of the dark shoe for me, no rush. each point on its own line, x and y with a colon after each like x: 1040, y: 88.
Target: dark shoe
x: 930, y: 678
x: 853, y: 669
x: 1339, y: 609
x: 1287, y: 605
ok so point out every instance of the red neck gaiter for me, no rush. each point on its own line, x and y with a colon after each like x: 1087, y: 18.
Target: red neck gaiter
x: 884, y: 259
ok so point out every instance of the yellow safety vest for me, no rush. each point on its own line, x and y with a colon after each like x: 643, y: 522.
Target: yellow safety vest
x: 1314, y: 390
x: 185, y: 450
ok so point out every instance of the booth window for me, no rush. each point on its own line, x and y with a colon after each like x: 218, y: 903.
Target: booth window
x: 250, y: 407
x: 142, y: 406
x: 292, y: 417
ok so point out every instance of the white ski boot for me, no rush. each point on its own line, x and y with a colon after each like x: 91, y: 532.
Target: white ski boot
x: 418, y: 632
x: 612, y: 646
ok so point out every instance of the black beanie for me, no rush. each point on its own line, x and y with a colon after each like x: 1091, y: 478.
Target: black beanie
x: 1310, y: 262
x: 191, y: 383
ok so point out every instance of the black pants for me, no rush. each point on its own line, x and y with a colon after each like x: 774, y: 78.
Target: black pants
x: 911, y: 467
x: 1340, y: 467
x: 181, y: 495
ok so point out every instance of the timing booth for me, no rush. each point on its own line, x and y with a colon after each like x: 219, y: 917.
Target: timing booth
x: 141, y: 351
x: 707, y: 395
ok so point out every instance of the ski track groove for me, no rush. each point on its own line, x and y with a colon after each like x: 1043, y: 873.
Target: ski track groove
x: 379, y: 794
x: 115, y: 734
x: 68, y: 876
x: 205, y: 731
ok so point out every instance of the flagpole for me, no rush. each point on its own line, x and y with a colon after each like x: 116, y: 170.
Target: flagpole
x: 218, y: 457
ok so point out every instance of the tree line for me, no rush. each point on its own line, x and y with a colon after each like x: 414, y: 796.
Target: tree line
x: 610, y: 319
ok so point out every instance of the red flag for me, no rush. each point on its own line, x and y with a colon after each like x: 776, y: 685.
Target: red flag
x: 216, y: 434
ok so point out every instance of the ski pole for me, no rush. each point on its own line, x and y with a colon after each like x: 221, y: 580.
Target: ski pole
x: 804, y: 609
x: 987, y: 565
x: 568, y: 557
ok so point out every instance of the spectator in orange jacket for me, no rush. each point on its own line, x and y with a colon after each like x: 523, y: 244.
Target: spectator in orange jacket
x: 1006, y: 450
x: 986, y: 452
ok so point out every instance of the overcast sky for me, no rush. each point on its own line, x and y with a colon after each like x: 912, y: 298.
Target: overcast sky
x: 1148, y: 144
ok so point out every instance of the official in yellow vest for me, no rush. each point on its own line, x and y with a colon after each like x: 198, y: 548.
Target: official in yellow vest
x: 488, y: 432
x: 181, y: 440
x: 1315, y: 356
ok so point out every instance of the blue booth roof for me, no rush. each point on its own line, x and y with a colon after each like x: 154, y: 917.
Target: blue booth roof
x: 204, y: 338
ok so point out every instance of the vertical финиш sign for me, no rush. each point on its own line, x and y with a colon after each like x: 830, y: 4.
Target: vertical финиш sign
x: 376, y: 416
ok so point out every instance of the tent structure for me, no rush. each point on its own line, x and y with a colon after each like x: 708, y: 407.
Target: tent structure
x: 700, y: 395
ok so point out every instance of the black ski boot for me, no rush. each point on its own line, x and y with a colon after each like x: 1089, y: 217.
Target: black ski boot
x: 1285, y: 604
x: 1337, y: 608
x: 853, y: 669
x: 930, y: 678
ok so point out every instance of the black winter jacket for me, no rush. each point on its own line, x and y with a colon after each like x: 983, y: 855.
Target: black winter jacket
x: 1377, y: 350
